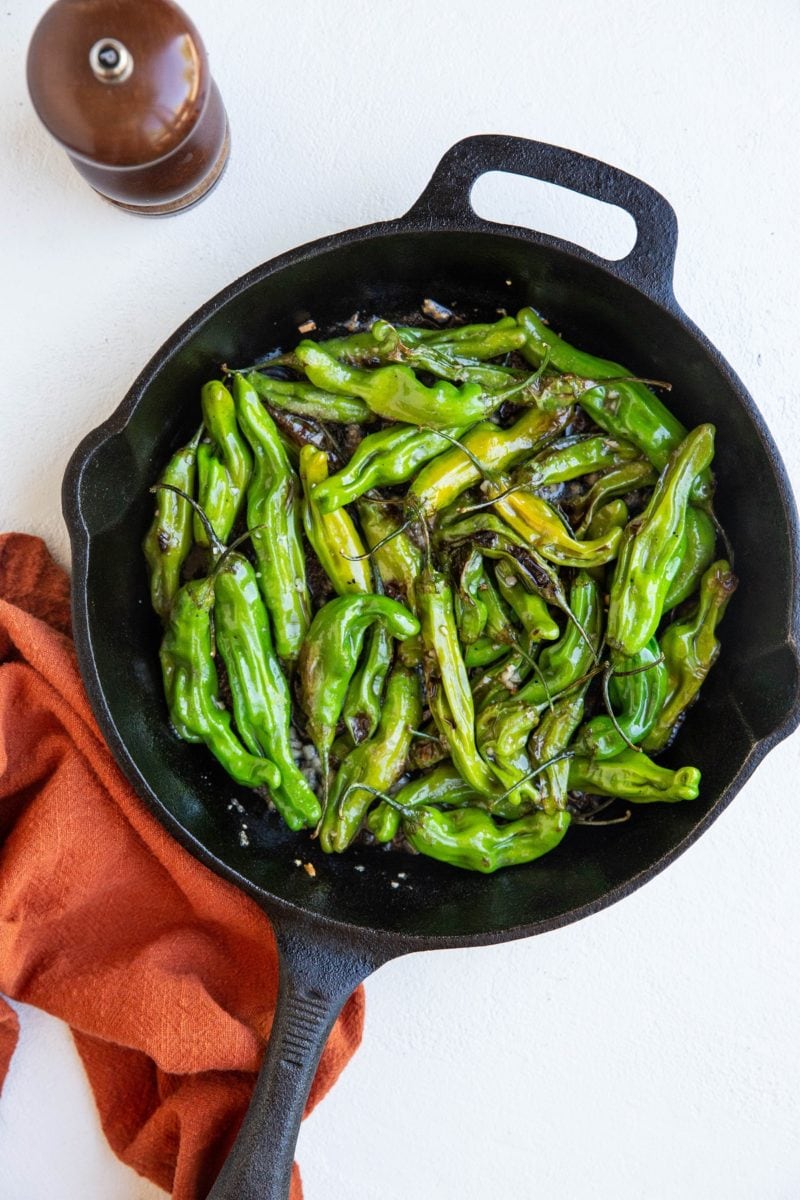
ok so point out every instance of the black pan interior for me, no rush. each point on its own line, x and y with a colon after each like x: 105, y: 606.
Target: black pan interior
x: 749, y: 696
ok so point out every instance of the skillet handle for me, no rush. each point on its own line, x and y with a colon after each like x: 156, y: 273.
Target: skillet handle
x: 315, y: 982
x: 651, y: 262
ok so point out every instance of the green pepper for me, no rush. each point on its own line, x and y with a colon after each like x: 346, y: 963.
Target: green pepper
x: 273, y: 518
x: 169, y: 538
x: 617, y: 482
x: 300, y: 397
x: 552, y: 736
x: 649, y: 555
x: 395, y: 393
x: 383, y: 459
x: 230, y: 450
x: 484, y: 651
x: 572, y: 458
x: 538, y: 523
x: 374, y: 765
x: 262, y: 704
x: 442, y: 481
x: 633, y: 776
x: 330, y: 654
x: 690, y: 650
x: 333, y: 536
x: 696, y: 554
x: 638, y: 688
x: 449, y: 695
x: 385, y: 343
x: 529, y: 607
x: 625, y: 409
x: 397, y: 560
x: 192, y: 689
x: 442, y: 785
x: 216, y: 498
x: 362, y: 706
x: 471, y: 839
x: 614, y: 513
x: 504, y: 726
x: 470, y: 610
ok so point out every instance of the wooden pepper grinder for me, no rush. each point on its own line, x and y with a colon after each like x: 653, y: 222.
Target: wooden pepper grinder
x: 125, y: 87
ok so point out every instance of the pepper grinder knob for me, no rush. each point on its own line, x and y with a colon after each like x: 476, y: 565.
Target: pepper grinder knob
x: 124, y: 86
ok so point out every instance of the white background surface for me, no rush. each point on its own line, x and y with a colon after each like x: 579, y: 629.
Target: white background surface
x: 651, y: 1052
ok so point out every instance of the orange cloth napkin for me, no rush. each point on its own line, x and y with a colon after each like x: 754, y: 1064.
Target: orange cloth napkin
x: 166, y: 973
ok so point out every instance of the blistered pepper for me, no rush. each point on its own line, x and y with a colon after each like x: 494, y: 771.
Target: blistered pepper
x: 330, y: 654
x: 273, y: 518
x: 695, y: 555
x: 448, y: 691
x: 690, y: 650
x: 333, y: 536
x: 441, y: 482
x: 625, y: 408
x: 637, y: 689
x: 551, y: 736
x: 191, y: 687
x: 633, y: 776
x: 220, y: 492
x: 383, y: 459
x: 395, y: 393
x: 442, y: 785
x: 262, y: 704
x: 375, y: 765
x: 471, y: 839
x: 169, y: 538
x: 649, y: 554
x: 538, y: 523
x: 302, y: 398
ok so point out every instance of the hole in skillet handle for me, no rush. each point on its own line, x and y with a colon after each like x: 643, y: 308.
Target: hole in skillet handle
x: 446, y: 203
x: 605, y: 229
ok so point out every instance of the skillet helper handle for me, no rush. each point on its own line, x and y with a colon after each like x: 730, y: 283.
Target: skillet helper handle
x: 651, y: 262
x: 315, y: 982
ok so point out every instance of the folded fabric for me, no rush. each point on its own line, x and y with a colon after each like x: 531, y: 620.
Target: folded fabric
x: 166, y: 974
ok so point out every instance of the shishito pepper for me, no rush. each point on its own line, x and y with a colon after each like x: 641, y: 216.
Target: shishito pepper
x: 625, y: 408
x: 538, y: 523
x: 649, y: 556
x: 505, y: 725
x: 531, y: 610
x: 618, y: 481
x: 330, y: 654
x: 394, y: 392
x: 455, y: 360
x: 333, y: 536
x: 690, y: 650
x: 470, y: 609
x: 262, y: 704
x: 571, y: 458
x: 223, y: 464
x: 552, y: 736
x: 471, y: 839
x: 383, y: 459
x: 442, y: 481
x: 273, y: 518
x: 192, y: 689
x: 373, y: 766
x: 448, y: 691
x: 442, y: 785
x: 637, y: 689
x: 169, y: 538
x: 302, y: 398
x: 696, y: 554
x: 633, y: 776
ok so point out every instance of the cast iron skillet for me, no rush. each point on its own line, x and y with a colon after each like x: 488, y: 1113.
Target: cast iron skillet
x: 335, y: 929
